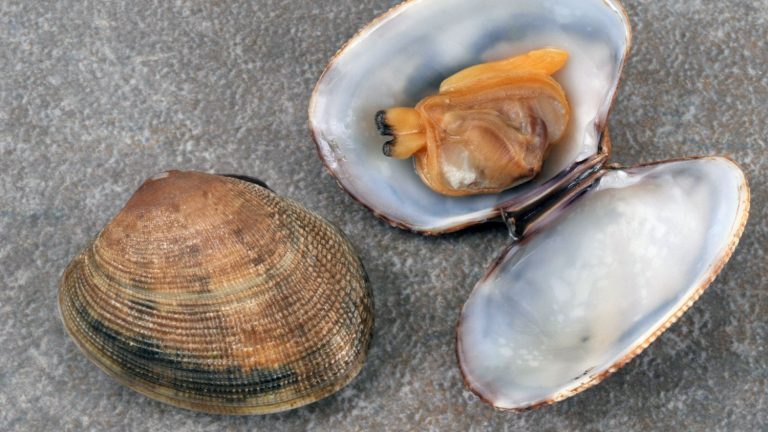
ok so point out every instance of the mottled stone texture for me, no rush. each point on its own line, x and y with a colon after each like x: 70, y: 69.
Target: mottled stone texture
x: 95, y: 96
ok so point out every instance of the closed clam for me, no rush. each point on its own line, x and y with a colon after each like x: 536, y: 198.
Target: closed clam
x: 214, y: 294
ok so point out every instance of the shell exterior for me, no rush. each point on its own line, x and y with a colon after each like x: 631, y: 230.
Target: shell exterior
x: 214, y: 294
x: 597, y: 278
x: 404, y: 55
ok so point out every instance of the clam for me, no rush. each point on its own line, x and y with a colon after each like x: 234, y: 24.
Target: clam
x: 403, y: 56
x: 603, y: 258
x: 215, y: 294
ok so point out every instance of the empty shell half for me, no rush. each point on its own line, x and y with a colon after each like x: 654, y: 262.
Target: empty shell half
x: 597, y: 278
x: 214, y: 294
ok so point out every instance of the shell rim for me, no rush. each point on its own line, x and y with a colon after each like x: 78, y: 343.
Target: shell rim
x: 489, y: 214
x: 639, y: 347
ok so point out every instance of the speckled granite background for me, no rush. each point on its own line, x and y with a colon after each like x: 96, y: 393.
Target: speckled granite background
x: 95, y: 96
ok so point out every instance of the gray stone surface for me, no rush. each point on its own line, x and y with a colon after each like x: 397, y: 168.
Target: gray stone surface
x: 95, y: 96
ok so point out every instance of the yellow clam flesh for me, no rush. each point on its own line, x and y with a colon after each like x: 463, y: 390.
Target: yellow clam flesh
x: 215, y: 294
x: 490, y: 127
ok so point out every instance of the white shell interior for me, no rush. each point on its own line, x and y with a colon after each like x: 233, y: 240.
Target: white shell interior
x: 403, y: 57
x: 600, y: 280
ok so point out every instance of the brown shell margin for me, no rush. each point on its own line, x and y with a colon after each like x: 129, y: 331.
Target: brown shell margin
x: 604, y: 146
x: 741, y: 223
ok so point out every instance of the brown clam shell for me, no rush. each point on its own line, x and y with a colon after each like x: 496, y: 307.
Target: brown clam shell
x: 214, y: 294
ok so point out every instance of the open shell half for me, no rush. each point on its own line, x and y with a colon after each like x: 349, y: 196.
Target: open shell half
x: 404, y: 55
x: 597, y: 278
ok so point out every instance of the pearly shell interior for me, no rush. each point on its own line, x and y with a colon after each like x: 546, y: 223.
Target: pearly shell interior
x: 215, y: 294
x: 405, y: 54
x: 598, y: 279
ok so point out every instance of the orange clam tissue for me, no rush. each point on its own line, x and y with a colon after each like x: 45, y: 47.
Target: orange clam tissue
x: 489, y: 129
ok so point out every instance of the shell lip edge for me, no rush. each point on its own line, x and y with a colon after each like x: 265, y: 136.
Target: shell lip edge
x: 248, y: 179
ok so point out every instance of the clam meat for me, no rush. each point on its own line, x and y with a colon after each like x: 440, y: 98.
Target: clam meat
x: 215, y: 294
x: 489, y: 128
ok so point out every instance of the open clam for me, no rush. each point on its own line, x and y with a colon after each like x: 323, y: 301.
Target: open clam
x: 215, y: 294
x: 605, y: 258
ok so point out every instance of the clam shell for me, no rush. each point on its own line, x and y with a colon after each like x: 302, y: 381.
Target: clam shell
x: 214, y: 294
x: 403, y: 56
x: 598, y: 278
